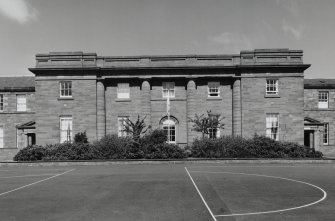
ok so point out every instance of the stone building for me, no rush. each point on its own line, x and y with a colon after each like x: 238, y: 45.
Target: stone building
x: 319, y: 109
x: 17, y: 114
x: 257, y: 92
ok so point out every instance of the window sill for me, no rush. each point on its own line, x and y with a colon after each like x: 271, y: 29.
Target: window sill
x: 214, y: 98
x: 123, y: 100
x: 272, y: 96
x: 65, y: 98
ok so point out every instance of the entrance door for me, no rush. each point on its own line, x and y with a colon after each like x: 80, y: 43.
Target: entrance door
x: 309, y: 138
x: 31, y: 139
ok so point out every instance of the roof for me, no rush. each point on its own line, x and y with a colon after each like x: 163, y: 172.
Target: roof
x: 319, y: 83
x: 17, y: 83
x: 91, y: 62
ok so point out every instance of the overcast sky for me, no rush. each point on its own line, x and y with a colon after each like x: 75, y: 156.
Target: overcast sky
x: 166, y: 27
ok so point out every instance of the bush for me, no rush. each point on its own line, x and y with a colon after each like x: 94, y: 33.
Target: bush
x: 114, y: 147
x: 256, y: 147
x: 31, y: 153
x: 80, y: 137
x: 72, y: 151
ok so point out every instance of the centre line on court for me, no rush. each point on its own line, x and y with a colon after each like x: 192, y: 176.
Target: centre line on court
x: 203, y: 200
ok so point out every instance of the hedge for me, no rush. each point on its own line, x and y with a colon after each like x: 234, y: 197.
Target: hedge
x: 154, y: 146
x: 256, y: 147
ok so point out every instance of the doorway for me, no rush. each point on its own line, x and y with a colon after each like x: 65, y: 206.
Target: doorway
x: 309, y: 138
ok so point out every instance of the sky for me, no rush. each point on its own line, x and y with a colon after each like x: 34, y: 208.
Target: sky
x: 166, y: 27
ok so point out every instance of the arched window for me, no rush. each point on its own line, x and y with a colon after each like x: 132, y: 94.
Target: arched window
x: 169, y: 127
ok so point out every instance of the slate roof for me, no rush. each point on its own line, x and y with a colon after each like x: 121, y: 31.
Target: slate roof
x: 17, y: 83
x: 319, y: 83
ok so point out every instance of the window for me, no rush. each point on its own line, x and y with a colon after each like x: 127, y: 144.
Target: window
x: 213, y: 133
x: 1, y: 137
x: 168, y: 89
x: 123, y: 91
x: 325, y: 134
x: 169, y: 128
x: 121, y: 122
x: 21, y: 102
x: 1, y: 102
x: 272, y: 126
x: 66, y: 129
x: 271, y: 87
x: 213, y: 89
x: 323, y: 99
x: 65, y: 89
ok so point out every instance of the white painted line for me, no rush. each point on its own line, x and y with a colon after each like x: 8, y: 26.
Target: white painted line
x: 4, y: 193
x: 315, y: 166
x: 203, y: 200
x: 275, y: 177
x: 46, y: 174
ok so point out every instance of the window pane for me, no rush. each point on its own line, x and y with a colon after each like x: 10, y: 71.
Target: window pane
x: 326, y: 133
x: 123, y: 90
x: 21, y: 103
x: 323, y: 99
x: 1, y: 102
x: 168, y: 89
x: 169, y: 129
x: 66, y: 89
x: 271, y: 86
x: 121, y: 126
x: 1, y: 137
x: 65, y: 129
x: 213, y: 89
x: 272, y: 126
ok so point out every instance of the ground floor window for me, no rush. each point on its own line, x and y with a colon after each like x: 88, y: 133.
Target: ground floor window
x: 272, y: 126
x: 66, y: 129
x: 121, y: 126
x: 326, y: 134
x: 1, y: 137
x: 169, y: 128
x: 213, y: 133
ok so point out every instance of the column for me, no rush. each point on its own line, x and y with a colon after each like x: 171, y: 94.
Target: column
x: 146, y: 102
x: 101, y: 110
x: 237, y: 108
x: 191, y: 109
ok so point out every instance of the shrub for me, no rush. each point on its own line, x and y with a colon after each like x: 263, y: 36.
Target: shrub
x: 165, y: 151
x: 31, y: 153
x: 72, y: 151
x: 256, y: 147
x: 114, y: 147
x: 80, y: 137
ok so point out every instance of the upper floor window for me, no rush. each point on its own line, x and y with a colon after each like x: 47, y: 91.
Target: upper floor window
x: 272, y: 126
x: 326, y: 134
x: 272, y: 87
x: 65, y: 89
x: 213, y: 89
x: 66, y: 129
x: 123, y: 91
x: 323, y: 99
x: 1, y: 102
x: 121, y: 125
x: 168, y: 89
x: 21, y: 102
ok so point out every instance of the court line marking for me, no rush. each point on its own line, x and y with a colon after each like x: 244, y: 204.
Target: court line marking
x: 203, y: 200
x: 59, y: 174
x: 275, y: 177
x: 32, y: 175
x: 330, y: 166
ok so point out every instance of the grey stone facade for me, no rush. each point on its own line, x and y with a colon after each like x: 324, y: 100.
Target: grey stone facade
x: 242, y: 101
